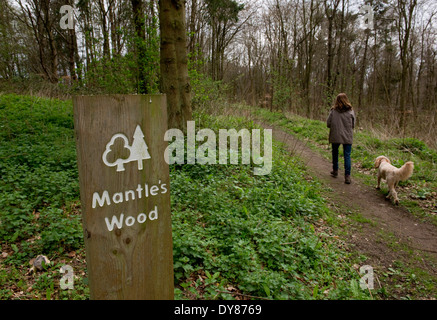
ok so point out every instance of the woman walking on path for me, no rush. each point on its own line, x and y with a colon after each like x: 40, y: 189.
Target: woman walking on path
x: 341, y: 122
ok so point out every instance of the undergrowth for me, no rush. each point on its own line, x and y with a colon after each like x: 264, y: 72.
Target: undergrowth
x: 235, y: 235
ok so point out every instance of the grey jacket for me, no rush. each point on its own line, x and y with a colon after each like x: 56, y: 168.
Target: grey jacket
x: 341, y: 125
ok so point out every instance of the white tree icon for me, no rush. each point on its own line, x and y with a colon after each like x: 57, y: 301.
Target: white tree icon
x: 138, y: 150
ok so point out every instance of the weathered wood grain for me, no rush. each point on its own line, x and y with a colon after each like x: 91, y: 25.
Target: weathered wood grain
x: 131, y: 262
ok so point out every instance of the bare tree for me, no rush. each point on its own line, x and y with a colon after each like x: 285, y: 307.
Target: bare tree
x: 406, y: 14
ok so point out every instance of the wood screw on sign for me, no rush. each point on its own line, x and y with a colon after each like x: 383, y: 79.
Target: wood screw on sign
x: 125, y: 195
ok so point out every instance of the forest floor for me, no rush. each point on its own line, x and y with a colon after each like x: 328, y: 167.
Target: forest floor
x: 234, y: 236
x: 401, y: 248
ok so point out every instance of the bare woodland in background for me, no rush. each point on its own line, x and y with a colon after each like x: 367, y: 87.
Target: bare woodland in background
x: 289, y: 55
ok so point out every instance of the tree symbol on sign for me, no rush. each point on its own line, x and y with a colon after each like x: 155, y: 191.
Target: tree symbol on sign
x: 138, y: 150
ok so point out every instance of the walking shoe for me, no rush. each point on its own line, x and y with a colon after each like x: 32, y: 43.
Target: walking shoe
x: 334, y: 173
x: 347, y: 179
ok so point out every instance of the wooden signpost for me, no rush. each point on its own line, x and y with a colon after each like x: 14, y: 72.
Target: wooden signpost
x: 125, y: 195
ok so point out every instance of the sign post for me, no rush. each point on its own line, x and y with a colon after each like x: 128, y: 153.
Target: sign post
x: 125, y: 195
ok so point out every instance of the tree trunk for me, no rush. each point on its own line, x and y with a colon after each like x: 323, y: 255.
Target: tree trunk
x: 330, y: 15
x: 329, y: 62
x: 140, y: 44
x: 192, y: 28
x: 363, y: 71
x: 105, y: 31
x: 113, y: 27
x: 72, y: 45
x: 45, y: 25
x: 174, y: 62
x: 404, y: 28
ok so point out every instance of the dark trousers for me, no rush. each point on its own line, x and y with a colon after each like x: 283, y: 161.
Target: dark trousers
x: 347, y: 150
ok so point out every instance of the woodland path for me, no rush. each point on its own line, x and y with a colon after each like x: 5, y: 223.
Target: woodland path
x: 411, y: 241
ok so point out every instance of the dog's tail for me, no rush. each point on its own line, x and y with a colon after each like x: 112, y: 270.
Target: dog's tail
x: 406, y: 170
x: 379, y: 160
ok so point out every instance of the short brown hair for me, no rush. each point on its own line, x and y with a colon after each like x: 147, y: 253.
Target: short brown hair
x: 342, y: 103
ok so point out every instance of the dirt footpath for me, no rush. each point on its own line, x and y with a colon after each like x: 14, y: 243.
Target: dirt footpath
x: 415, y: 241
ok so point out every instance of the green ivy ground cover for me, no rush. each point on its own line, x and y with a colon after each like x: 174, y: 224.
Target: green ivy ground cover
x: 234, y: 234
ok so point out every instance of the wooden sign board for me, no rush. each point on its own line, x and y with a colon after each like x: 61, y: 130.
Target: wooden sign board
x: 125, y: 195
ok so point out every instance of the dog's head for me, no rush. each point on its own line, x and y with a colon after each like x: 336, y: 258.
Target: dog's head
x: 381, y: 159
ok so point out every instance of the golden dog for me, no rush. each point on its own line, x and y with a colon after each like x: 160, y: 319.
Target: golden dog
x: 392, y: 175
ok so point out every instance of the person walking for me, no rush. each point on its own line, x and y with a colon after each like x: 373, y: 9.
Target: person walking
x: 341, y: 122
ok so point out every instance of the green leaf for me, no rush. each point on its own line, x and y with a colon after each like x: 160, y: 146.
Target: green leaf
x: 208, y: 274
x: 315, y: 292
x: 266, y: 289
x: 15, y: 236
